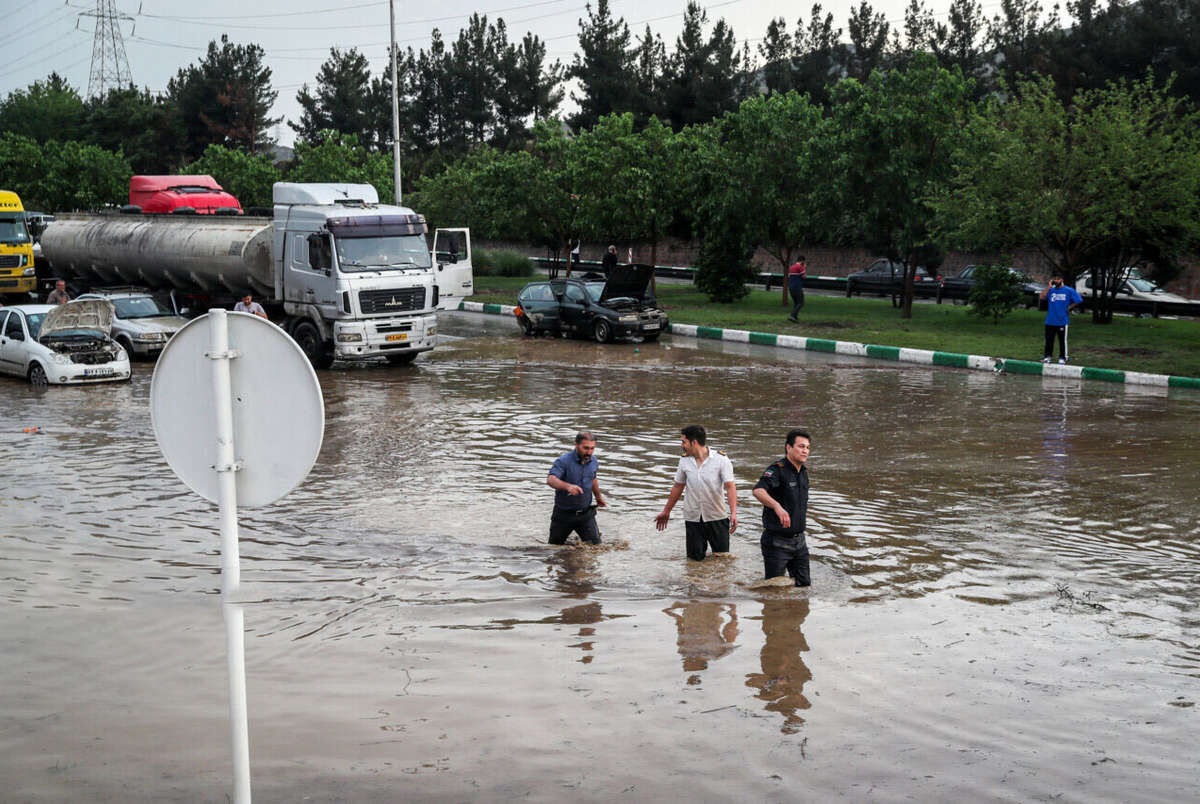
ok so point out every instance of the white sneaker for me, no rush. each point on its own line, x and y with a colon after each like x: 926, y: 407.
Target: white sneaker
x: 1045, y: 360
x: 1062, y: 361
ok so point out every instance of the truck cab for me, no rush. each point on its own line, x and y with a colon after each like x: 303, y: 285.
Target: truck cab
x: 354, y: 273
x: 17, y: 272
x: 199, y: 194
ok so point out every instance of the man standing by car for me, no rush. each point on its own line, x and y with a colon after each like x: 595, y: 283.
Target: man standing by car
x: 59, y: 295
x: 249, y: 305
x: 573, y: 478
x: 783, y: 491
x: 708, y: 478
x: 609, y: 262
x: 1060, y: 301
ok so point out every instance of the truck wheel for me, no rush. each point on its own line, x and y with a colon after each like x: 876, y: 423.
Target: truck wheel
x: 602, y: 331
x: 308, y: 337
x: 402, y: 359
x: 37, y: 375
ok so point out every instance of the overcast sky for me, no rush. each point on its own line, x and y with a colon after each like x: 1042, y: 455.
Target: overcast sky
x: 163, y: 35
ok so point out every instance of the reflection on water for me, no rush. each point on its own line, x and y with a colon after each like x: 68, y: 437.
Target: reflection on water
x: 419, y: 539
x: 784, y: 673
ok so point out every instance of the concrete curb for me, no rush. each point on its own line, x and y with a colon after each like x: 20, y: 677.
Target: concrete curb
x: 902, y: 355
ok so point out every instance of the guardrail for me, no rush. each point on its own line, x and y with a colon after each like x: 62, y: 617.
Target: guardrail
x: 769, y: 280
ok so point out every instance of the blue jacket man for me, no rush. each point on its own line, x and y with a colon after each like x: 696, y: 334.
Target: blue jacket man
x: 573, y: 478
x: 1060, y: 301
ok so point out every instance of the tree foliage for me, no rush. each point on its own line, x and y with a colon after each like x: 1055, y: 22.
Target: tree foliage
x: 63, y: 176
x: 249, y: 177
x: 996, y: 292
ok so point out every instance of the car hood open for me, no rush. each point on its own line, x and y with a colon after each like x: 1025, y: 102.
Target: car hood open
x: 95, y: 315
x: 627, y: 281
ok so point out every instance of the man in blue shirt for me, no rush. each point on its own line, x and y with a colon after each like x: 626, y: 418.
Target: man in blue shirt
x: 573, y: 478
x: 1060, y: 301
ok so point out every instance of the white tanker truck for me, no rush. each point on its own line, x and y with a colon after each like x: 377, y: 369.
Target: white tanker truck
x: 345, y: 276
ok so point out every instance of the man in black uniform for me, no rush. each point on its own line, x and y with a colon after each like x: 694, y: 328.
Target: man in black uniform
x: 783, y: 491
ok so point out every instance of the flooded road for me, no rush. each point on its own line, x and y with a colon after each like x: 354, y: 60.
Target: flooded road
x: 1005, y: 579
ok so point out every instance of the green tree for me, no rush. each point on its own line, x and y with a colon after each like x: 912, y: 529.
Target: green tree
x: 889, y: 150
x: 46, y: 110
x: 77, y: 176
x: 21, y: 169
x: 225, y: 98
x: 776, y: 49
x: 342, y: 101
x: 335, y: 157
x: 996, y: 292
x: 649, y: 67
x: 603, y: 66
x: 868, y: 31
x: 145, y: 127
x: 703, y: 76
x: 1108, y: 181
x: 818, y: 54
x: 249, y: 177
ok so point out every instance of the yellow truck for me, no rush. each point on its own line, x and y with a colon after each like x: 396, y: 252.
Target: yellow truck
x: 17, y: 274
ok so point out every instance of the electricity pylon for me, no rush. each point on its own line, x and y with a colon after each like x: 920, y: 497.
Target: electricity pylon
x: 110, y: 67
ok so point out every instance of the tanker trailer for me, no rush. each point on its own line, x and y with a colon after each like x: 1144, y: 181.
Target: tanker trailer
x: 345, y: 276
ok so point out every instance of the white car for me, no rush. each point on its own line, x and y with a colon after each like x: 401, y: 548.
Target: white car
x: 1134, y: 287
x: 142, y: 325
x: 60, y: 344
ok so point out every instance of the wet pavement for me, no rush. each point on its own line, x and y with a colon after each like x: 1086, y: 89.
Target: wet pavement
x: 1005, y: 577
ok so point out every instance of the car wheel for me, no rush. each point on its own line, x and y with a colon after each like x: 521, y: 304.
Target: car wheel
x: 602, y: 331
x: 308, y: 338
x: 37, y: 375
x: 127, y: 345
x: 527, y: 326
x: 849, y: 288
x: 402, y: 359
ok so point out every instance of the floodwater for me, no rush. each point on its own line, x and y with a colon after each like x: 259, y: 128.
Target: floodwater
x: 1005, y: 579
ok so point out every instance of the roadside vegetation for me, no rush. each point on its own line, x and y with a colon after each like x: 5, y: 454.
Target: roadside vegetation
x: 1157, y: 346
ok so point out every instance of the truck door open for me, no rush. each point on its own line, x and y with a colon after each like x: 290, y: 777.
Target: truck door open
x: 455, y: 277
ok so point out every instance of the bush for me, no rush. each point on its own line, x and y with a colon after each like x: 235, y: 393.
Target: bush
x: 483, y: 262
x: 997, y: 290
x: 509, y: 263
x: 723, y: 268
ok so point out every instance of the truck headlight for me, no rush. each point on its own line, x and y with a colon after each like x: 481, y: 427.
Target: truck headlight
x: 430, y: 332
x: 349, y: 337
x: 30, y: 271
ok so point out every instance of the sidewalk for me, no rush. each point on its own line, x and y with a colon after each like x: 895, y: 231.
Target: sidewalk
x: 1000, y: 365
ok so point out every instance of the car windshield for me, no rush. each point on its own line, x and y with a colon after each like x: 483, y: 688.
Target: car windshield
x: 1143, y: 285
x: 12, y: 228
x: 140, y: 307
x: 34, y: 322
x: 372, y: 253
x: 595, y: 290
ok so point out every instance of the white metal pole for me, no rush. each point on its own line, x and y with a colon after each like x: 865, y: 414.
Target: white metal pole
x: 226, y: 467
x: 395, y: 107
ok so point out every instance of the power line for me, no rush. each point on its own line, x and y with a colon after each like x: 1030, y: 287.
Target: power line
x: 221, y: 24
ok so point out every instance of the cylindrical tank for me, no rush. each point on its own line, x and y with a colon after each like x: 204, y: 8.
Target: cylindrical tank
x: 198, y: 253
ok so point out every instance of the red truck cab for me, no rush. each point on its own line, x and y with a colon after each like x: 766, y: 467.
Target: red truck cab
x: 165, y: 194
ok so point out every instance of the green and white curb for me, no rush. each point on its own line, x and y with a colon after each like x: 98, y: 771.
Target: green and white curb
x: 902, y: 355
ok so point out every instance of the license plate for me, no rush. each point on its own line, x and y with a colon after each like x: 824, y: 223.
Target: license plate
x: 399, y: 336
x: 98, y: 372
x: 650, y: 325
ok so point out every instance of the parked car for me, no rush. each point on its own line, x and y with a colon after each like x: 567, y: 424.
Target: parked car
x: 141, y: 324
x: 886, y: 277
x: 1134, y: 287
x: 594, y: 307
x: 59, y: 344
x: 959, y: 286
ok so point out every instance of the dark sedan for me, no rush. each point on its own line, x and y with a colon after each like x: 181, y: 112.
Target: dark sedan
x: 959, y: 286
x: 591, y: 306
x: 886, y: 277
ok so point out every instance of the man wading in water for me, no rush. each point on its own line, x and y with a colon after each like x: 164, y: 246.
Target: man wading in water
x: 708, y: 478
x: 573, y: 478
x: 783, y: 491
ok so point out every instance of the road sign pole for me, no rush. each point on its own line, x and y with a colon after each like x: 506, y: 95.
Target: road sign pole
x: 226, y: 467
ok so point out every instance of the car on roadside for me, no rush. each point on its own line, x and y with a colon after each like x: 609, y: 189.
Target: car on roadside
x: 886, y: 277
x: 592, y: 306
x: 959, y: 286
x: 61, y: 344
x: 1133, y: 288
x: 141, y: 324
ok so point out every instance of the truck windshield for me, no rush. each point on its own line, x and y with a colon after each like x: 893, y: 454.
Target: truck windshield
x: 12, y: 228
x: 140, y: 307
x: 374, y: 253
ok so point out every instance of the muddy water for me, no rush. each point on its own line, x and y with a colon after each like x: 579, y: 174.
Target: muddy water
x: 1004, y: 602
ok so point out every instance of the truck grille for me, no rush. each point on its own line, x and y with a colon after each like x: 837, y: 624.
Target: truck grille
x: 391, y: 301
x: 10, y: 261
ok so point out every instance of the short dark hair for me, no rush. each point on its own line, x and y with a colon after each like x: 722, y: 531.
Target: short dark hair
x: 794, y: 434
x: 800, y: 258
x: 694, y: 432
x: 584, y: 435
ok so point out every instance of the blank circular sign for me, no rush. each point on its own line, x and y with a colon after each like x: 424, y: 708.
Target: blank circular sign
x: 278, y: 411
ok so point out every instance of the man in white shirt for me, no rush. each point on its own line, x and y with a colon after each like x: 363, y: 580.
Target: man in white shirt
x: 249, y: 305
x: 708, y: 477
